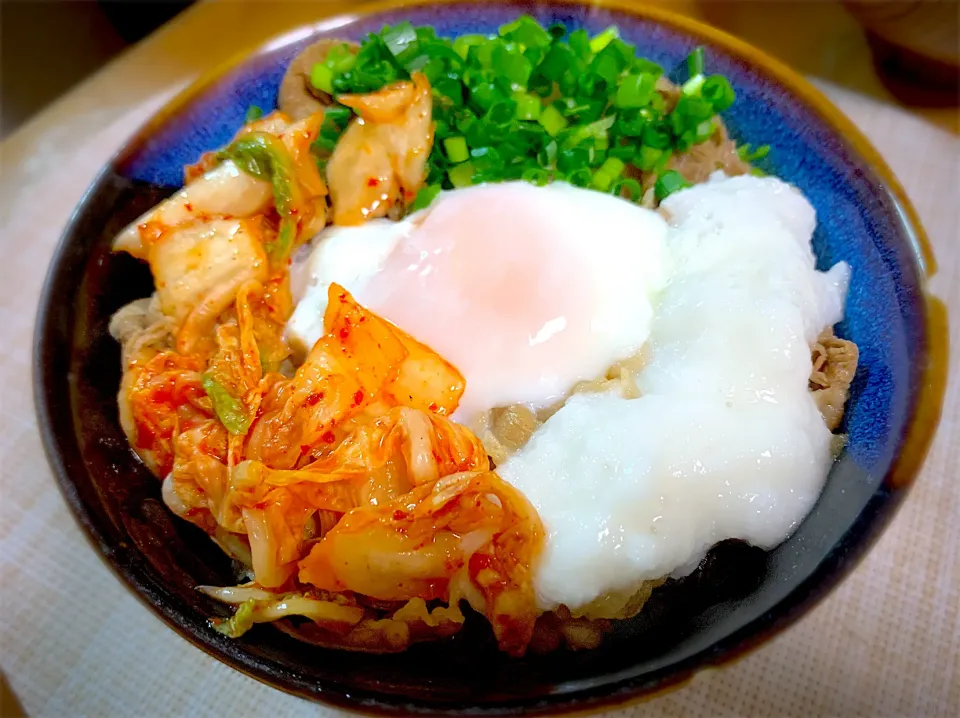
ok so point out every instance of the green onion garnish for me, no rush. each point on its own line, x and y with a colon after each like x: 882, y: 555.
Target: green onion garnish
x: 531, y: 102
x: 425, y: 197
x: 608, y: 173
x: 456, y: 149
x: 695, y: 62
x: 693, y: 85
x: 604, y: 39
x: 526, y: 31
x: 536, y: 175
x: 747, y: 154
x: 717, y: 91
x: 321, y: 77
x: 580, y: 178
x: 461, y: 175
x: 649, y: 158
x: 657, y: 135
x: 551, y: 120
x: 668, y: 183
x: 635, y: 91
x: 528, y: 106
x: 254, y: 113
x: 628, y: 189
x: 399, y: 38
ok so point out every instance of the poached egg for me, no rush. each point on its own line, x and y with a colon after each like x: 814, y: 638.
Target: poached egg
x: 526, y: 290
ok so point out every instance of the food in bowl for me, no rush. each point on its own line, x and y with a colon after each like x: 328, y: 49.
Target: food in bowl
x: 501, y: 324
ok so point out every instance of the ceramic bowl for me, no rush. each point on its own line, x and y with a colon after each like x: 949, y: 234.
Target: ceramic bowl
x: 739, y: 597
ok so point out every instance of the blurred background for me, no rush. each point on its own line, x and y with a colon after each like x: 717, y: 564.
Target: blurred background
x: 48, y: 47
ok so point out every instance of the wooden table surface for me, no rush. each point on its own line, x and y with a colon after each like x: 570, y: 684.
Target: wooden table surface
x: 74, y: 642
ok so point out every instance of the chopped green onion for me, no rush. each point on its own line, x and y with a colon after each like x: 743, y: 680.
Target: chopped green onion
x: 557, y: 31
x: 502, y: 114
x: 717, y: 91
x: 424, y: 198
x: 535, y: 54
x: 593, y: 85
x: 604, y: 39
x: 528, y: 106
x: 695, y: 62
x: 321, y: 77
x: 540, y: 85
x: 449, y: 89
x: 612, y: 166
x: 693, y: 109
x: 594, y: 135
x: 750, y: 155
x: 254, y: 113
x: 624, y: 50
x: 511, y: 65
x: 580, y: 178
x: 631, y: 125
x: 555, y: 63
x: 547, y: 156
x: 692, y: 86
x: 635, y: 91
x: 463, y: 44
x: 432, y: 67
x: 536, y: 175
x: 461, y: 175
x: 229, y: 410
x: 609, y: 171
x: 626, y: 152
x: 551, y: 120
x: 338, y: 114
x: 530, y: 102
x: 570, y: 159
x: 399, y: 37
x: 668, y: 183
x: 456, y: 149
x: 630, y: 186
x: 579, y: 42
x: 606, y: 66
x: 483, y: 54
x: 484, y: 95
x: 704, y: 131
x: 646, y: 67
x: 526, y: 31
x: 656, y: 135
x: 486, y: 160
x: 662, y: 162
x: 649, y: 157
x: 340, y: 59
